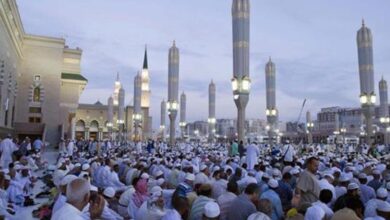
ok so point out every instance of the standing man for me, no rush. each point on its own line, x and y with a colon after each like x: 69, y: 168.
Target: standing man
x: 234, y: 150
x: 288, y: 152
x: 307, y: 186
x: 252, y: 153
x: 7, y: 148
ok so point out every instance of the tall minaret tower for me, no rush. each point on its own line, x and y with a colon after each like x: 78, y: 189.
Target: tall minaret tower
x: 366, y: 74
x: 241, y: 81
x: 145, y: 100
x: 117, y: 87
x: 183, y: 106
x: 173, y: 90
x: 384, y: 110
x: 211, y: 119
x: 271, y: 111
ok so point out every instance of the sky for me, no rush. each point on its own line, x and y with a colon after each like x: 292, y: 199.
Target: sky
x: 312, y: 43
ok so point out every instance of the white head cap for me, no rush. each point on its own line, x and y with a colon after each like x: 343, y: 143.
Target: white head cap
x: 190, y: 177
x: 383, y: 207
x: 381, y: 193
x: 145, y: 176
x: 273, y: 183
x: 85, y: 166
x: 211, y: 210
x: 109, y: 192
x: 353, y: 186
x: 203, y: 167
x: 258, y: 216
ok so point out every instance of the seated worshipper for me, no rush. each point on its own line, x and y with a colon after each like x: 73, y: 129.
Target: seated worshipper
x: 78, y: 196
x: 244, y: 205
x: 109, y: 196
x: 271, y: 195
x: 138, y: 197
x: 6, y: 209
x: 203, y: 176
x: 284, y: 191
x: 115, y: 182
x: 325, y: 198
x: 198, y: 205
x: 225, y: 200
x: 153, y: 208
x: 61, y: 197
x: 341, y: 188
x: 180, y: 209
x: 220, y: 184
x: 353, y: 192
x: 264, y: 210
x: 327, y: 183
x: 353, y: 210
x: 110, y: 205
x: 314, y: 213
x: 376, y: 182
x: 307, y: 185
x: 383, y: 211
x: 124, y: 201
x: 372, y: 205
x: 186, y: 187
x: 211, y: 211
x: 366, y: 192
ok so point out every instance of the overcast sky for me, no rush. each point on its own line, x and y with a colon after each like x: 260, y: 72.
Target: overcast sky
x: 313, y: 44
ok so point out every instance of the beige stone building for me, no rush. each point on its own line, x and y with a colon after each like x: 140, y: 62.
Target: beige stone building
x: 40, y: 80
x: 92, y: 119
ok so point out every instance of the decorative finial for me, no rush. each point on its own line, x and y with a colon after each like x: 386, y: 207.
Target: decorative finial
x: 117, y: 76
x: 174, y: 43
x: 363, y: 25
x: 270, y: 59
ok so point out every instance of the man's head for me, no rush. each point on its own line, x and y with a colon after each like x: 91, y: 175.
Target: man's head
x: 233, y: 187
x: 312, y: 164
x: 78, y: 192
x: 252, y: 191
x: 326, y: 196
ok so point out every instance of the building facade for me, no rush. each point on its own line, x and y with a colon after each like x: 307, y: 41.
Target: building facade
x: 41, y: 81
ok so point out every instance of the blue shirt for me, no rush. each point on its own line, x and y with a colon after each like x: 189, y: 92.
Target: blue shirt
x: 273, y: 197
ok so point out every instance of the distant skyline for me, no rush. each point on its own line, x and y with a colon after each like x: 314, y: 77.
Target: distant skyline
x: 312, y: 43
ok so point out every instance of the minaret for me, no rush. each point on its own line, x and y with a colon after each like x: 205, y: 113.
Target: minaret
x: 162, y: 119
x: 366, y: 74
x: 271, y: 110
x: 117, y: 86
x: 211, y: 119
x: 183, y: 104
x: 384, y: 110
x: 309, y: 127
x: 121, y: 111
x: 173, y: 90
x: 241, y: 81
x: 110, y: 115
x: 137, y: 112
x: 145, y: 100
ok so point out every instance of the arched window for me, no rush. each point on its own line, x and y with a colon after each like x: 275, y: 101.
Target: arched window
x: 37, y: 94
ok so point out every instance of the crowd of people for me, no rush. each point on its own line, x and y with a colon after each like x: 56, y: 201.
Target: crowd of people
x: 194, y: 181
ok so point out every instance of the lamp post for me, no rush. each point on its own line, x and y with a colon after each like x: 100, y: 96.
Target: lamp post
x: 241, y: 81
x: 110, y: 115
x: 137, y: 112
x: 309, y: 127
x: 343, y: 131
x: 173, y: 89
x: 182, y: 123
x: 211, y: 120
x: 366, y: 75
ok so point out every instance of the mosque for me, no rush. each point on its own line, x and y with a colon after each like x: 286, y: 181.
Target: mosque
x: 40, y: 85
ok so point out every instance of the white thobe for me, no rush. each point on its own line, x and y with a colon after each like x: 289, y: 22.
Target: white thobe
x: 7, y: 147
x: 252, y: 153
x: 172, y: 215
x: 67, y: 212
x: 61, y: 200
x: 70, y: 148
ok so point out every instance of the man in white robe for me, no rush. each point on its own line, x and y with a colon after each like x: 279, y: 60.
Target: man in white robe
x: 7, y: 148
x: 252, y: 154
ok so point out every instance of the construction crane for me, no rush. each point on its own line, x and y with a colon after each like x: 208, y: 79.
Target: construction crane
x: 300, y: 115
